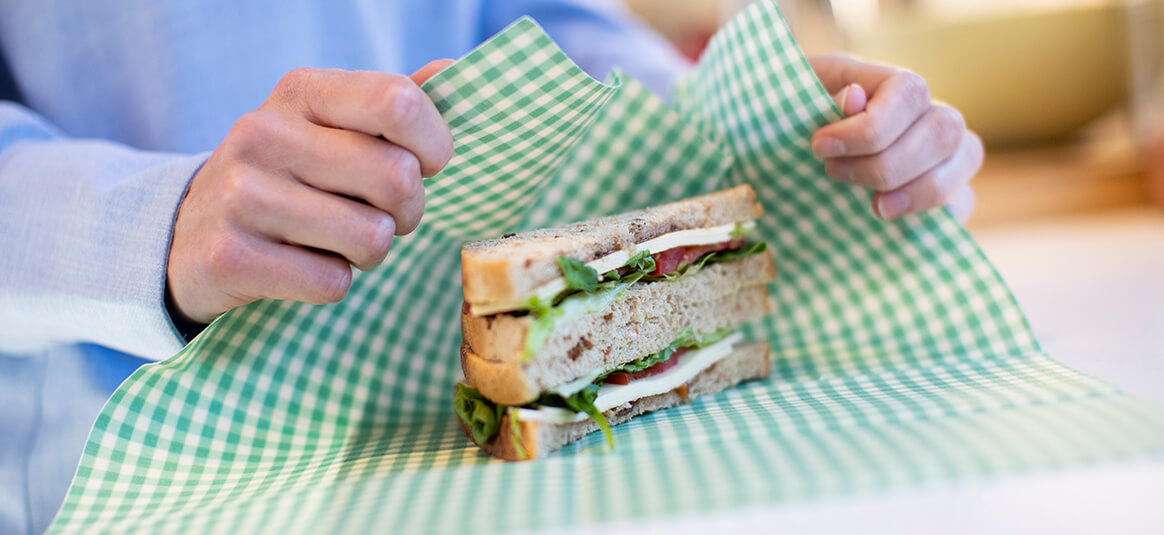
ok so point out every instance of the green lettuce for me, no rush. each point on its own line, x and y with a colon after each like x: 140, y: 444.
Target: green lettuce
x: 515, y: 434
x: 584, y: 280
x: 581, y: 278
x: 484, y: 416
x: 687, y: 338
x: 739, y: 231
x: 583, y: 401
x: 481, y: 415
x: 578, y: 275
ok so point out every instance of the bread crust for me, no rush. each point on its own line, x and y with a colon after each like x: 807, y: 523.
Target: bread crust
x: 648, y: 318
x: 535, y: 439
x: 506, y: 270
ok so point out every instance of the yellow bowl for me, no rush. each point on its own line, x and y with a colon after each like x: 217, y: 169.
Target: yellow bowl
x: 1019, y: 79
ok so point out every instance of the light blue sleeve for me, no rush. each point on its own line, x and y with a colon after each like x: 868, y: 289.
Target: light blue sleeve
x: 598, y: 35
x: 85, y: 228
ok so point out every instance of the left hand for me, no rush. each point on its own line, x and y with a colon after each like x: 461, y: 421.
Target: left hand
x: 917, y: 154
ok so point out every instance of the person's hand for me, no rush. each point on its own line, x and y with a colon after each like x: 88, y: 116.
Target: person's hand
x: 917, y: 154
x: 319, y: 178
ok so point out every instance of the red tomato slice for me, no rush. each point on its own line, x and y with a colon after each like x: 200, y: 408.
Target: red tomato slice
x: 670, y: 260
x: 626, y: 378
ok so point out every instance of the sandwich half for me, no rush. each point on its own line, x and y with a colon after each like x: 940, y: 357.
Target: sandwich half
x: 573, y: 329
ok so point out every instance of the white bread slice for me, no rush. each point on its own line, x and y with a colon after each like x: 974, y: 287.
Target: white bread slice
x: 538, y: 439
x: 647, y: 319
x: 506, y: 270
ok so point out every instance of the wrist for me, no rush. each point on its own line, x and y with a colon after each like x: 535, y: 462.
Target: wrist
x: 185, y: 326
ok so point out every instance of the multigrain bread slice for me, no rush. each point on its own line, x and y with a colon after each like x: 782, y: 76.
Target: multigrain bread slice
x: 647, y: 319
x: 536, y: 439
x: 506, y: 270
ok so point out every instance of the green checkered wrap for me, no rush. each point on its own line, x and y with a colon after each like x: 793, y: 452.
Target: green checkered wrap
x: 900, y: 357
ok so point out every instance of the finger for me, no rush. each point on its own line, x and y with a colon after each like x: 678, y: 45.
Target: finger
x: 835, y: 71
x: 255, y: 268
x: 893, y: 106
x: 296, y: 274
x: 935, y: 187
x: 299, y: 215
x: 359, y: 166
x: 378, y: 104
x: 851, y: 100
x: 424, y: 73
x: 933, y: 138
x: 962, y: 203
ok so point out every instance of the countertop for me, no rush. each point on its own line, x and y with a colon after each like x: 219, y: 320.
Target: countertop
x: 1092, y: 287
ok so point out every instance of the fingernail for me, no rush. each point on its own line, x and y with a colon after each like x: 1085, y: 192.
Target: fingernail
x: 892, y: 205
x: 827, y: 147
x: 844, y: 98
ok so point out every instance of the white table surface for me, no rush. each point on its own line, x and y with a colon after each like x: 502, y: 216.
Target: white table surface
x: 1093, y: 289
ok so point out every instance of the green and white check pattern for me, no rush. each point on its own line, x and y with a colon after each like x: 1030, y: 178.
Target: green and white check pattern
x: 900, y: 356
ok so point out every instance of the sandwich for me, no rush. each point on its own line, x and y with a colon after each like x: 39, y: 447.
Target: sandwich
x: 573, y: 329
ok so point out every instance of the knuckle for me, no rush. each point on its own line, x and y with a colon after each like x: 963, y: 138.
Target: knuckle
x: 403, y: 180
x: 874, y: 138
x: 224, y: 259
x: 375, y: 239
x: 929, y: 191
x: 880, y: 173
x: 334, y: 284
x: 411, y: 214
x: 252, y: 132
x: 977, y: 150
x: 402, y: 100
x: 948, y: 127
x: 239, y: 192
x: 292, y: 85
x: 446, y: 146
x: 931, y: 195
x: 914, y: 90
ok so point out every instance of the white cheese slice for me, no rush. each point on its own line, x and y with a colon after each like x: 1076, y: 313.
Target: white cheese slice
x: 611, y: 395
x: 615, y: 260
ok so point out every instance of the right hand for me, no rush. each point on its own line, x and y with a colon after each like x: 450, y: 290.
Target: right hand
x: 319, y: 178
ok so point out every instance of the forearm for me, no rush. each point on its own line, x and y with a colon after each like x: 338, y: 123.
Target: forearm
x: 85, y: 231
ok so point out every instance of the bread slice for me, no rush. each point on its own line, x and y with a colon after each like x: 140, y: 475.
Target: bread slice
x: 647, y: 319
x: 538, y: 439
x: 506, y: 270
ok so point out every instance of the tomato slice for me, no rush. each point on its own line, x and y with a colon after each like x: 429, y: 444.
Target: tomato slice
x: 622, y: 378
x: 670, y: 260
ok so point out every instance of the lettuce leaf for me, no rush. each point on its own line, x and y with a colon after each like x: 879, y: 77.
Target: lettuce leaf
x: 583, y: 401
x: 687, y: 338
x: 728, y: 255
x: 481, y: 415
x: 515, y: 434
x: 582, y: 279
x: 578, y: 276
x: 739, y: 231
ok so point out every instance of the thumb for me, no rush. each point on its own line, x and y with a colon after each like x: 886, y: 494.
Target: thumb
x: 851, y: 99
x: 426, y: 72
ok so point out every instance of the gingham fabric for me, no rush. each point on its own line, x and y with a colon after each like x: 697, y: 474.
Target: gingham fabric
x: 900, y: 358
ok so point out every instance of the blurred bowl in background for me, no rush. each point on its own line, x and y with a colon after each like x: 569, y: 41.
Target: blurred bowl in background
x: 1019, y: 78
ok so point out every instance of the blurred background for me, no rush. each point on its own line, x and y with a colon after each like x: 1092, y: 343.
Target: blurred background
x: 1068, y: 96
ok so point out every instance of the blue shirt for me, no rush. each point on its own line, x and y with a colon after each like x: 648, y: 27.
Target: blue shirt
x: 119, y: 103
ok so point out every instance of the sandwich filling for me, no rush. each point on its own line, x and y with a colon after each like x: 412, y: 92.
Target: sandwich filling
x: 669, y: 251
x: 602, y: 390
x: 586, y: 291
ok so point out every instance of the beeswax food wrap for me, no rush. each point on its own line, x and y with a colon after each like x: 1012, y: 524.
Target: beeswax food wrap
x: 900, y: 358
